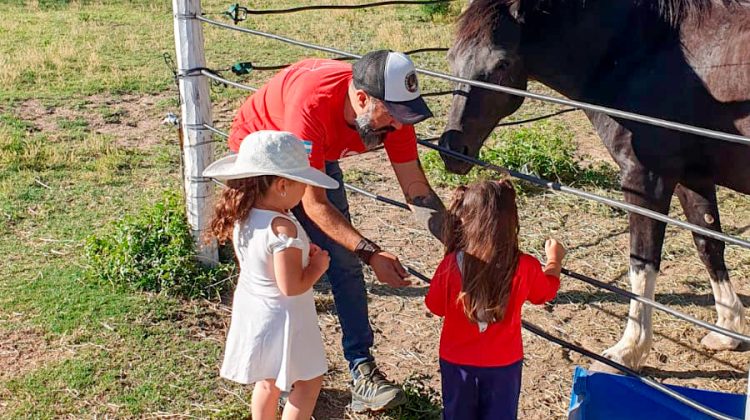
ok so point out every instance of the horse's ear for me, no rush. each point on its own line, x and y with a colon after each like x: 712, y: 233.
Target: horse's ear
x: 515, y: 8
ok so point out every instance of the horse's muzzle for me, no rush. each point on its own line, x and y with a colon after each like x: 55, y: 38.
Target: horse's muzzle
x: 452, y: 140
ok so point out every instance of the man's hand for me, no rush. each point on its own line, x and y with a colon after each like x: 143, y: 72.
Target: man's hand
x: 426, y: 207
x: 389, y: 270
x: 429, y: 212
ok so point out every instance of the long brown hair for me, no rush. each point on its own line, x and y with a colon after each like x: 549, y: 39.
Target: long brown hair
x: 483, y: 223
x: 235, y: 203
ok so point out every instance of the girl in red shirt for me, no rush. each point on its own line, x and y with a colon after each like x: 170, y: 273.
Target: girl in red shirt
x: 479, y: 289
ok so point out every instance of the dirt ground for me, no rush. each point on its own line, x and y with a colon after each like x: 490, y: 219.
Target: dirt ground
x: 132, y: 120
x: 406, y: 336
x: 24, y: 350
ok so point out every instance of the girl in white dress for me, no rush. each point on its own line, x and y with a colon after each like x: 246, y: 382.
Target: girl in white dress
x: 274, y: 340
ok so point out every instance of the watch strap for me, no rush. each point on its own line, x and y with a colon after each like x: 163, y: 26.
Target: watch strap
x: 366, y: 249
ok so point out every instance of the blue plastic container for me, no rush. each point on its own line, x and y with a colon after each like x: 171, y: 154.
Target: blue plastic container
x: 599, y: 395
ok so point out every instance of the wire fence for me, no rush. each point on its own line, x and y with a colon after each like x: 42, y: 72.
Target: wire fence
x: 555, y: 186
x: 216, y: 77
x: 585, y: 352
x: 734, y: 138
x: 244, y: 67
x: 239, y: 13
x: 572, y: 274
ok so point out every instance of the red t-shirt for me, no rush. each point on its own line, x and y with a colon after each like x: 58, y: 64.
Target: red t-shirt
x: 500, y: 344
x: 307, y: 99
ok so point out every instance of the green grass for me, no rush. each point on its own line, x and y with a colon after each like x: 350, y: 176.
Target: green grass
x: 544, y: 149
x: 120, y: 353
x: 128, y: 355
x: 54, y: 49
x: 71, y: 48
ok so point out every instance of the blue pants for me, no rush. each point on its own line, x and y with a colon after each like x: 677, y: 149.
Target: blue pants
x: 488, y: 393
x: 346, y: 278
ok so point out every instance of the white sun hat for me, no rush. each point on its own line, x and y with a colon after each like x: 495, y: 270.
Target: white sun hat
x: 270, y: 153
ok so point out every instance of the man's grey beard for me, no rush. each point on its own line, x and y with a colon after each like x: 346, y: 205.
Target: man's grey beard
x: 370, y: 137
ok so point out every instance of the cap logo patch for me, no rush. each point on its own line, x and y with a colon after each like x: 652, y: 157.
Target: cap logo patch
x: 411, y: 82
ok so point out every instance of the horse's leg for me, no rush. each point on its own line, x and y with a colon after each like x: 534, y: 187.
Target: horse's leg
x: 700, y: 207
x: 644, y: 189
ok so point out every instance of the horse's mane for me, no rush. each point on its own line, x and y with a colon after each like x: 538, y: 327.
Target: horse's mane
x: 478, y: 21
x: 482, y: 16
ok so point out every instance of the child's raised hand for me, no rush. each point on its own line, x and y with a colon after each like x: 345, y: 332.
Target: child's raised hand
x: 554, y: 250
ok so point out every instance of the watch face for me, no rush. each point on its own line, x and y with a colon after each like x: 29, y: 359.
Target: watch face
x: 366, y: 249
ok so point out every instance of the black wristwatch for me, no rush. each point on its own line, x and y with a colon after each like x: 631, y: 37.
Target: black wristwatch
x: 366, y: 249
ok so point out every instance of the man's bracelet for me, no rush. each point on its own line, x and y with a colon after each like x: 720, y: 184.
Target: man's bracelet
x: 366, y: 249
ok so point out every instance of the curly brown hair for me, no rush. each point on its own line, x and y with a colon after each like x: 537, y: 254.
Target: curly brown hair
x: 235, y: 203
x: 483, y: 223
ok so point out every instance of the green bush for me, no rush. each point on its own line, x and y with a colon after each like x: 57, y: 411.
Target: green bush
x: 154, y: 251
x: 542, y: 150
x: 436, y: 9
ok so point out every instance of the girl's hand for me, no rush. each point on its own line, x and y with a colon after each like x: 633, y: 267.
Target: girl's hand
x: 314, y: 249
x: 554, y: 250
x: 319, y: 261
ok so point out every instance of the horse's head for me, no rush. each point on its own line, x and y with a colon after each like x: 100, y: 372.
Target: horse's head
x: 486, y: 49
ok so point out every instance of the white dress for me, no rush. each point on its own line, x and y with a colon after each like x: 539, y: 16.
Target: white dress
x: 272, y: 336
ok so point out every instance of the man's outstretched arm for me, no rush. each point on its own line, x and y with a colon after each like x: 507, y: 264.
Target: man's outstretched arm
x: 329, y: 219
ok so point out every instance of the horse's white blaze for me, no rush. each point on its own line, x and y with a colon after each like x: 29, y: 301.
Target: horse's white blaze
x: 730, y: 314
x: 636, y: 341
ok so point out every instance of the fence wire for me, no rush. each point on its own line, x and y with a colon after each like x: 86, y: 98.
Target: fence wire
x: 585, y: 352
x: 240, y: 13
x: 734, y: 138
x: 555, y: 186
x: 581, y: 277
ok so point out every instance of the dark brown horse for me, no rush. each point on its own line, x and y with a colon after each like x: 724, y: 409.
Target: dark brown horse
x: 681, y: 60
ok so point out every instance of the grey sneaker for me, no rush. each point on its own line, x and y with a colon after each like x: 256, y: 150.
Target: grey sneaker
x: 372, y: 391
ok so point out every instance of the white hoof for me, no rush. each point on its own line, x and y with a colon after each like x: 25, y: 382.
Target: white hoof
x: 601, y: 367
x: 716, y: 341
x: 624, y: 355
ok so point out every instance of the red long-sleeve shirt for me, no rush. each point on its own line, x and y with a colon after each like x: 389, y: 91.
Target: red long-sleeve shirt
x: 500, y: 344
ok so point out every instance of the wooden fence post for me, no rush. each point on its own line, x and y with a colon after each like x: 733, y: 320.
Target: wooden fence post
x: 196, y: 111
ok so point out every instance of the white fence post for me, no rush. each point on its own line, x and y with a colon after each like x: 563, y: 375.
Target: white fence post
x: 196, y: 111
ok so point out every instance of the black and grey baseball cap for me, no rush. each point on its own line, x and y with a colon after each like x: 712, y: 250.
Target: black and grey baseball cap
x: 391, y: 77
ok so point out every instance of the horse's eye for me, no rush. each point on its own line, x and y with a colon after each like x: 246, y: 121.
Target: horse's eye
x: 502, y: 66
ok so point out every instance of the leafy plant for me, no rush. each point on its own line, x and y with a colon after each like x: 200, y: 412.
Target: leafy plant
x: 542, y: 150
x: 423, y: 402
x: 435, y: 9
x: 154, y: 251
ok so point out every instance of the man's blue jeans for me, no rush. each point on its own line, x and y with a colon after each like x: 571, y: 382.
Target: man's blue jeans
x: 345, y: 276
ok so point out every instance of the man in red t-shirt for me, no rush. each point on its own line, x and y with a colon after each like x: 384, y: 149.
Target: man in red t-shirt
x: 339, y: 110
